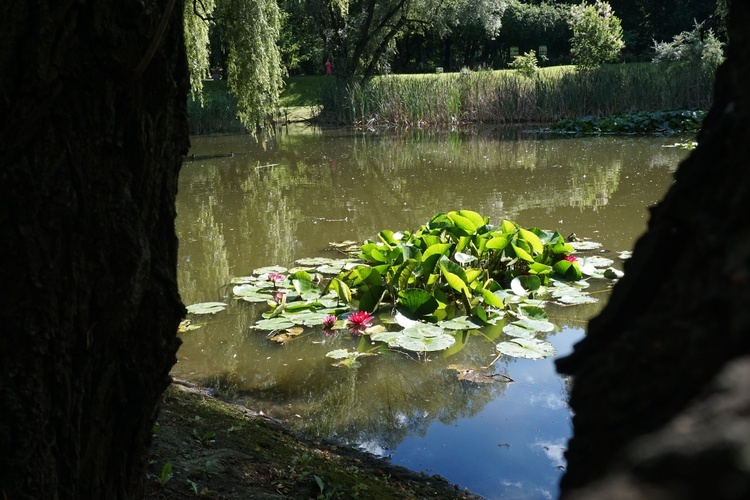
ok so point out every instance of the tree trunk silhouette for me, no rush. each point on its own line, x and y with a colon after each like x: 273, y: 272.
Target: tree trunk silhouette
x: 682, y: 312
x: 92, y: 129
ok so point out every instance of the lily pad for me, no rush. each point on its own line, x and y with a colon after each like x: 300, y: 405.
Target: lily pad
x: 458, y: 323
x: 516, y: 330
x: 584, y: 245
x: 278, y: 323
x: 270, y: 269
x: 527, y: 348
x: 206, y: 308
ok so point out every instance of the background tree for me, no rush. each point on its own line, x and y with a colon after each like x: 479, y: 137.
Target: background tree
x: 93, y: 120
x: 250, y: 30
x: 597, y: 34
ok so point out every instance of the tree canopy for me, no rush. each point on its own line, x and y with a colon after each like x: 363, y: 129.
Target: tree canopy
x: 251, y: 30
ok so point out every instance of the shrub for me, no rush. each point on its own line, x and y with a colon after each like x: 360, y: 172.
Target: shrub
x: 697, y: 46
x: 597, y: 34
x: 526, y: 64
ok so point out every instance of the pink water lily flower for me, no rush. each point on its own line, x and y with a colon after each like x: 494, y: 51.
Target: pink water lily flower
x: 275, y: 278
x: 570, y: 258
x: 328, y: 322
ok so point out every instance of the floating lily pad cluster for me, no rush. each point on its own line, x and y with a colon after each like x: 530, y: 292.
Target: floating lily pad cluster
x: 456, y: 274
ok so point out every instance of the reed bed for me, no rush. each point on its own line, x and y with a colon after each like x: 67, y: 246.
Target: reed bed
x: 506, y: 96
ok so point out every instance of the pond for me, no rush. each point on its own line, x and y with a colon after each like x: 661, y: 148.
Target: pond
x: 244, y: 204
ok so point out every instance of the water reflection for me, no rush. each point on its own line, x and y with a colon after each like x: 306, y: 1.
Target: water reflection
x: 274, y: 201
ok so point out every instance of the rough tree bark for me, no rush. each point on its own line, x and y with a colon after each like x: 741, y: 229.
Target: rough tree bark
x: 678, y: 317
x: 92, y: 129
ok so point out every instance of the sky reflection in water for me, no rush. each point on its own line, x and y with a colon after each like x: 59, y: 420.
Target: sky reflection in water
x: 276, y: 201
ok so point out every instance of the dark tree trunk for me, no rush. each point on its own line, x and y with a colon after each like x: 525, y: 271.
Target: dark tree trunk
x: 683, y: 309
x: 92, y: 129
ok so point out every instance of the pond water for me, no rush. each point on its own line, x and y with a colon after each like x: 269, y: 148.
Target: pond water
x: 245, y: 204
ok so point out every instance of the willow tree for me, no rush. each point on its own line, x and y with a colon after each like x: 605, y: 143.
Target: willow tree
x: 251, y: 30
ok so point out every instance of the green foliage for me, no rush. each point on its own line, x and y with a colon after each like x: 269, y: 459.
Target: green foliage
x: 197, y: 44
x: 506, y: 97
x: 166, y: 475
x: 658, y: 123
x: 597, y: 34
x: 252, y: 29
x: 456, y: 273
x: 526, y: 64
x: 697, y: 46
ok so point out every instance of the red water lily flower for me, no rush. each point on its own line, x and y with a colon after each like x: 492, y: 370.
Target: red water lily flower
x: 358, y: 321
x: 570, y: 258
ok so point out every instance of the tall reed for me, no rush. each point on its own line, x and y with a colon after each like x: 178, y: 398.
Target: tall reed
x: 508, y: 97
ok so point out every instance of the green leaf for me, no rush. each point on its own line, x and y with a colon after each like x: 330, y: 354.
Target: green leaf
x: 532, y: 239
x: 527, y: 348
x: 206, y: 307
x: 278, y: 323
x: 418, y: 302
x: 270, y: 269
x: 521, y: 253
x: 474, y: 217
x: 342, y: 290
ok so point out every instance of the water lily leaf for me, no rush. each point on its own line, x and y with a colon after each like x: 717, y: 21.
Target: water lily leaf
x: 581, y: 298
x: 306, y: 317
x: 458, y: 323
x: 527, y: 348
x: 239, y: 280
x: 625, y: 254
x: 270, y: 270
x: 584, y: 245
x: 330, y: 269
x: 338, y: 354
x: 418, y: 302
x: 278, y: 323
x: 385, y: 336
x: 348, y: 358
x: 424, y: 344
x: 534, y: 312
x: 598, y: 261
x: 206, y: 307
x: 256, y: 297
x: 516, y: 330
x: 517, y: 288
x: 535, y: 325
x: 403, y: 321
x: 316, y: 261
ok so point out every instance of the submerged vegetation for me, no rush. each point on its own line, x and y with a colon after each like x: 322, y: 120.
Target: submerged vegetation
x: 456, y: 277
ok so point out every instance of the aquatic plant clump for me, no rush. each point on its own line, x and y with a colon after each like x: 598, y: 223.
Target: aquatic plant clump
x: 457, y: 273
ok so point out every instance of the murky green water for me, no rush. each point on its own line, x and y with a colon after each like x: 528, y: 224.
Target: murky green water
x: 284, y: 199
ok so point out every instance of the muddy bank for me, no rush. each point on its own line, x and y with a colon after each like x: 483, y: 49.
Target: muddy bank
x: 222, y: 450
